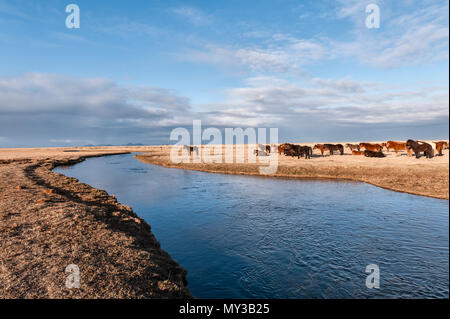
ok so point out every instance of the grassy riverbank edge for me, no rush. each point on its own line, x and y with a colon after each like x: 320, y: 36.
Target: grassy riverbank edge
x: 50, y: 221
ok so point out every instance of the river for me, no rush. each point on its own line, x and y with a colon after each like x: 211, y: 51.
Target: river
x: 255, y: 237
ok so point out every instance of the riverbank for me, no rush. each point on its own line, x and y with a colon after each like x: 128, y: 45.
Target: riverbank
x: 49, y: 221
x: 426, y: 177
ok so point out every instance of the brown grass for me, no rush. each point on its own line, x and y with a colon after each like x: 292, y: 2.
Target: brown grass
x: 49, y: 221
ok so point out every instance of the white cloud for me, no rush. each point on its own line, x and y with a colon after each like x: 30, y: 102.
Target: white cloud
x: 416, y: 37
x: 341, y: 101
x: 193, y: 15
x: 355, y: 9
x: 49, y: 93
x: 281, y: 55
x: 62, y: 108
x: 67, y: 110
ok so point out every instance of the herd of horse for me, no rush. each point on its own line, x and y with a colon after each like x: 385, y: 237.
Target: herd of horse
x: 367, y: 149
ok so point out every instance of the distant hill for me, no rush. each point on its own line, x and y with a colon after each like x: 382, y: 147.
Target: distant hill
x: 128, y: 144
x: 134, y: 144
x: 96, y: 145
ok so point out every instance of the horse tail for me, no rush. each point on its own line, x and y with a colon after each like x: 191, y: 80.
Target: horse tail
x: 434, y: 146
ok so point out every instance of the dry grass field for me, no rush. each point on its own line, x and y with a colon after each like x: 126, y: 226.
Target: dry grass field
x: 49, y: 221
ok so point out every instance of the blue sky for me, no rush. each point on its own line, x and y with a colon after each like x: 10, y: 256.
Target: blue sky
x: 136, y: 70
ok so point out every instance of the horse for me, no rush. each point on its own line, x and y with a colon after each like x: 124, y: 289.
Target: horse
x: 320, y: 147
x: 299, y: 151
x: 368, y: 153
x: 283, y: 147
x: 352, y: 146
x: 418, y: 147
x: 260, y: 153
x: 371, y: 147
x: 440, y: 146
x: 335, y: 147
x: 291, y: 152
x: 305, y: 150
x: 397, y: 146
x: 446, y: 146
x: 354, y: 152
x: 191, y: 149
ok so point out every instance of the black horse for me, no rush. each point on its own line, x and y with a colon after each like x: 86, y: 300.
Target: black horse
x: 368, y: 153
x: 417, y: 148
x: 299, y: 151
x: 306, y: 151
x: 335, y: 147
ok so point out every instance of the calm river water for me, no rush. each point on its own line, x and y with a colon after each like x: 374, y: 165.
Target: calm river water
x: 253, y: 237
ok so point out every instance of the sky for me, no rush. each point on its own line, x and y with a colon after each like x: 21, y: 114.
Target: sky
x: 135, y: 70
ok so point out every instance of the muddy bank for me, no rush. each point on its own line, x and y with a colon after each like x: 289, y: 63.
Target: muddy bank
x: 426, y: 177
x: 49, y: 221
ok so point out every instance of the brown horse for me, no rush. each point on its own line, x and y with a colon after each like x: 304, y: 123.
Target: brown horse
x: 320, y: 147
x: 283, y: 147
x: 417, y: 148
x: 397, y: 146
x: 352, y: 146
x: 354, y: 152
x: 440, y: 146
x: 371, y: 147
x: 446, y: 146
